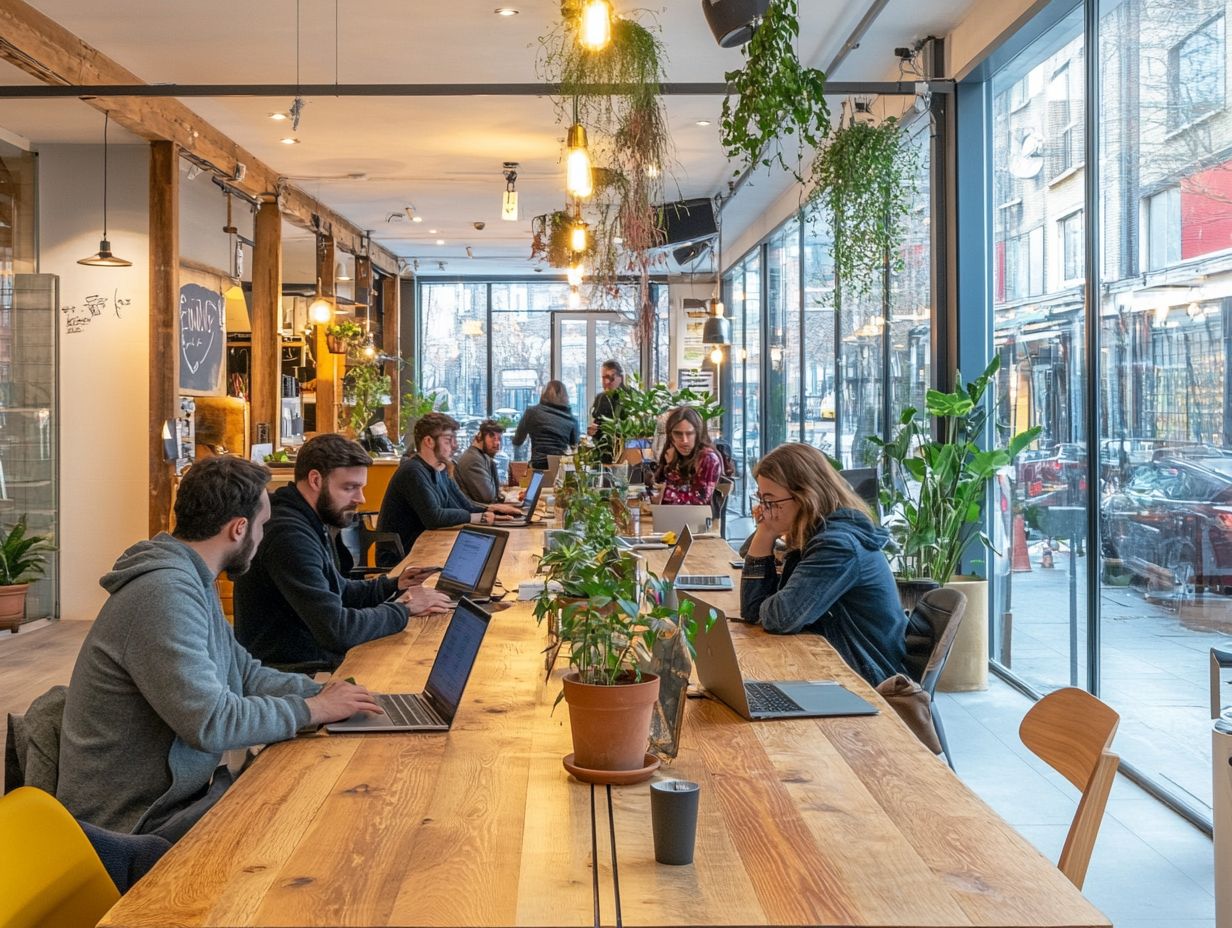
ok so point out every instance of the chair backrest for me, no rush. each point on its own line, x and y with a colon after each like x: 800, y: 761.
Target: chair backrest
x: 1071, y: 730
x: 49, y: 873
x: 365, y: 523
x: 864, y: 481
x: 931, y: 629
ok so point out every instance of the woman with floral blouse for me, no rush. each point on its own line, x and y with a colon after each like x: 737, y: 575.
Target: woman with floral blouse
x: 690, y: 467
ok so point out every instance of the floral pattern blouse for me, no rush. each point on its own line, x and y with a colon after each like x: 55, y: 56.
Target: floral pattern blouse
x: 697, y: 491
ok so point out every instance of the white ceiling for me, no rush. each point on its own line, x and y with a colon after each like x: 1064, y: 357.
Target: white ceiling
x: 441, y: 154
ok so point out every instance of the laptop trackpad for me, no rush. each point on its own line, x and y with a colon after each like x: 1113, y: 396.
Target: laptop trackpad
x: 825, y: 698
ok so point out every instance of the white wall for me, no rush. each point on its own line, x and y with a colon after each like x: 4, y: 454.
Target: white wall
x: 104, y: 362
x: 203, y: 213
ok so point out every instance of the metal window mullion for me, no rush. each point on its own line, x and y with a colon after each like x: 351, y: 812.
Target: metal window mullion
x: 1091, y: 228
x: 491, y: 365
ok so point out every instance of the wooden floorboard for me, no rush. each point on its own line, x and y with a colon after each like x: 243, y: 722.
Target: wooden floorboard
x: 33, y: 661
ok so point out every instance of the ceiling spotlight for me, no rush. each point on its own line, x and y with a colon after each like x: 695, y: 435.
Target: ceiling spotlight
x: 505, y: 11
x: 417, y: 219
x: 289, y: 140
x: 432, y: 231
x: 703, y: 122
x: 340, y: 271
x: 194, y: 171
x: 278, y: 117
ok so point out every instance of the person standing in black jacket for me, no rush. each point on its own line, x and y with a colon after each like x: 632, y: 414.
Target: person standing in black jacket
x: 293, y: 607
x: 423, y: 496
x: 606, y: 406
x: 549, y: 424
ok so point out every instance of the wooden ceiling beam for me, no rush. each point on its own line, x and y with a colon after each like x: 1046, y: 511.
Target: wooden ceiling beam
x: 46, y: 50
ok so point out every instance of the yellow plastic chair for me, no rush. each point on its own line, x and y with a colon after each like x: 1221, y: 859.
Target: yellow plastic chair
x: 49, y: 873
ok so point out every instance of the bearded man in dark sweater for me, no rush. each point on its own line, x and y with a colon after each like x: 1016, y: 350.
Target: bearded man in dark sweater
x: 294, y: 608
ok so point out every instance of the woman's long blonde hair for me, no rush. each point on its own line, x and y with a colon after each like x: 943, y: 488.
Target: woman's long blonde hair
x: 814, y: 483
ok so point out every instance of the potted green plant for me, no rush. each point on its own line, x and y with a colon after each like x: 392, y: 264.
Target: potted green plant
x: 610, y: 619
x: 23, y: 558
x: 366, y: 389
x: 642, y: 404
x: 773, y: 96
x: 341, y: 337
x: 934, y: 480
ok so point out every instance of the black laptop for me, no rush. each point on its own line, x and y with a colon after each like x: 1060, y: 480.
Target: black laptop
x: 470, y: 569
x: 433, y: 709
x: 533, y: 489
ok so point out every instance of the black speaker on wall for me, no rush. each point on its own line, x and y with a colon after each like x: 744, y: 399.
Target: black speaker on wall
x: 688, y: 221
x: 732, y: 21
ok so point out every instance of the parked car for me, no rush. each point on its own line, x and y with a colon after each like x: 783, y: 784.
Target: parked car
x: 1054, y: 477
x: 1171, y: 524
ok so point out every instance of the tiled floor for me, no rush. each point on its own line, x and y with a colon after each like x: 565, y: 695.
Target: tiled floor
x: 1151, y: 869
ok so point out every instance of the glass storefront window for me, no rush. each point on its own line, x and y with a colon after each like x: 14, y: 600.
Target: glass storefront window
x: 453, y: 346
x: 819, y: 347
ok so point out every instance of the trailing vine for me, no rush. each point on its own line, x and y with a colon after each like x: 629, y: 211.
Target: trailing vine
x: 774, y: 96
x: 866, y: 180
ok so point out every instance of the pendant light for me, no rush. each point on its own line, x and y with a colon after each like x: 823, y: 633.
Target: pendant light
x: 595, y: 28
x: 717, y: 330
x: 320, y: 310
x: 509, y: 201
x: 579, y: 239
x: 104, y: 257
x: 578, y: 180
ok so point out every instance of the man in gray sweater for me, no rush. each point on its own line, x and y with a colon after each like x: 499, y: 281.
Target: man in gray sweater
x: 475, y: 471
x: 161, y: 688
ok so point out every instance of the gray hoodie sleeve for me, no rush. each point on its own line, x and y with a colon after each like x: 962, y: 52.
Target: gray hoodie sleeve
x: 169, y: 658
x: 260, y: 680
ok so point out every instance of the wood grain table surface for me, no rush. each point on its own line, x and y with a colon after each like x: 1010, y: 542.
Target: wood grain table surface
x: 845, y: 821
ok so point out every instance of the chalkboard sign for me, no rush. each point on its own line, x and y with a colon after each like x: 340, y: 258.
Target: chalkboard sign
x: 202, y: 340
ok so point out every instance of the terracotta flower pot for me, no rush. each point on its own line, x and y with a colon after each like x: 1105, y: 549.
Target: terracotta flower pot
x: 610, y: 724
x: 13, y: 605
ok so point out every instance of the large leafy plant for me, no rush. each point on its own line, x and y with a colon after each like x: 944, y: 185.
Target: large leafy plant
x: 642, y: 404
x: 773, y: 96
x: 23, y: 557
x: 366, y: 389
x: 933, y: 488
x: 866, y: 182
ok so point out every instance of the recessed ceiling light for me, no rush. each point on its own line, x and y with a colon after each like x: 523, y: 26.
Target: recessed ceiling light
x: 278, y: 117
x: 417, y: 219
x: 505, y: 11
x: 703, y: 122
x: 290, y: 140
x: 432, y: 231
x: 440, y: 241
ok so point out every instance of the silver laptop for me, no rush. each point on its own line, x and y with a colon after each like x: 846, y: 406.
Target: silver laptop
x: 470, y: 569
x: 719, y: 673
x: 435, y: 707
x: 676, y: 518
x: 533, y: 489
x: 675, y: 562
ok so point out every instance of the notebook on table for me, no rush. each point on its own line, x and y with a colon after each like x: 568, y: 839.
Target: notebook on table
x: 470, y: 570
x: 675, y: 562
x: 720, y: 675
x: 434, y: 708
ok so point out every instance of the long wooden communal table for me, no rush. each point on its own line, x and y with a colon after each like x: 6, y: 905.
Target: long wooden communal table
x: 803, y: 822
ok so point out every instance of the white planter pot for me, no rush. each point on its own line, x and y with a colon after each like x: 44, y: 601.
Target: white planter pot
x: 967, y: 668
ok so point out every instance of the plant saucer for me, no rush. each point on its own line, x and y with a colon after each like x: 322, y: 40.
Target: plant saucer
x: 613, y: 777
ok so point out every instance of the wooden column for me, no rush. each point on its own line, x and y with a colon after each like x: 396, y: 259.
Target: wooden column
x: 164, y: 313
x: 391, y: 334
x: 265, y: 383
x: 330, y: 367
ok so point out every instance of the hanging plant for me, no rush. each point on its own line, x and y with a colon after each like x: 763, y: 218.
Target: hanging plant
x: 365, y: 390
x: 866, y: 181
x: 774, y: 96
x: 550, y: 239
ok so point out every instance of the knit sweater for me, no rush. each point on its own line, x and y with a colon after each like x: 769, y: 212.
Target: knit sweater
x: 420, y: 497
x: 293, y: 605
x: 160, y: 690
x: 475, y: 472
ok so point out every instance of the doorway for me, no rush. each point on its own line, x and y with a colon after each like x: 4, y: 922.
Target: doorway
x: 581, y: 341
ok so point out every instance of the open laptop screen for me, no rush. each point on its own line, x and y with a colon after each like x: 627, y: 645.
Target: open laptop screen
x: 466, y: 559
x: 456, y: 656
x: 532, y: 491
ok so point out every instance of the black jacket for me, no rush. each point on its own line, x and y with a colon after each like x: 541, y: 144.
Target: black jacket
x: 293, y: 605
x: 552, y: 430
x: 839, y: 586
x: 606, y: 406
x: 420, y: 497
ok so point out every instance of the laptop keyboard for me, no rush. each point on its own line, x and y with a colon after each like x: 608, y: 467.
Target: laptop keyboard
x: 407, y: 710
x: 703, y: 579
x: 766, y: 697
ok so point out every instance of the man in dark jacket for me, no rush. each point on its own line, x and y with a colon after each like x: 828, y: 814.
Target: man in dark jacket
x: 606, y: 406
x: 476, y: 472
x: 294, y: 607
x: 161, y: 689
x: 423, y: 496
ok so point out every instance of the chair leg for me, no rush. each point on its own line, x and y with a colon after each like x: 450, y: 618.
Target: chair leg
x: 940, y: 729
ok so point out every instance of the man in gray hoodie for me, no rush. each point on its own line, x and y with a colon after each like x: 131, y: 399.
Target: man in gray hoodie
x: 161, y: 688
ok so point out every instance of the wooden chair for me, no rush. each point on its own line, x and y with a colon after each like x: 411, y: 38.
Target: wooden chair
x: 931, y: 630
x: 1072, y: 730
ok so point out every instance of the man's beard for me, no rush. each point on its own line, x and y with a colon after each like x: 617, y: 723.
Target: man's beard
x: 332, y: 514
x: 241, y: 560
